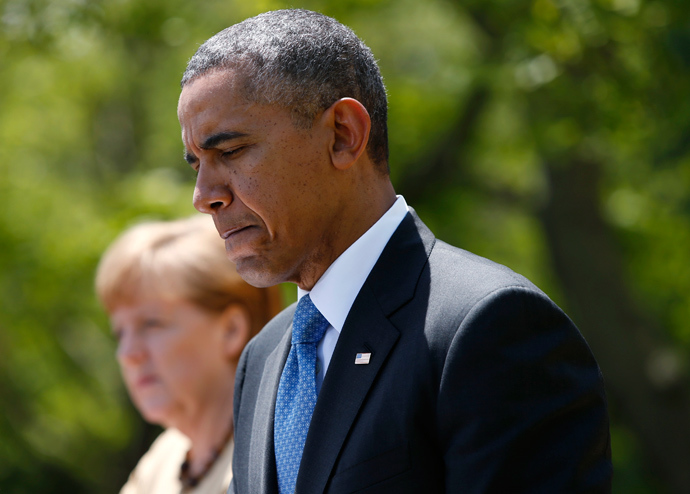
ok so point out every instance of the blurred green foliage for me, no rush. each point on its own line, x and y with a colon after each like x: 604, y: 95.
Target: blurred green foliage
x: 514, y: 124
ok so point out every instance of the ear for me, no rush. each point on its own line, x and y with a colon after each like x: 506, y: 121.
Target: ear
x: 236, y: 330
x: 351, y: 124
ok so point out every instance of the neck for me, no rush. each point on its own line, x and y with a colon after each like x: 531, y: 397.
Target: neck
x: 361, y: 213
x: 208, y: 432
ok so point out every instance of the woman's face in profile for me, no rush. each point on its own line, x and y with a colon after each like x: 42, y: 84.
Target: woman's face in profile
x: 173, y: 358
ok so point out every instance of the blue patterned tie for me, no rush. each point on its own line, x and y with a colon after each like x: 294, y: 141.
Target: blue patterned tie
x: 297, y: 393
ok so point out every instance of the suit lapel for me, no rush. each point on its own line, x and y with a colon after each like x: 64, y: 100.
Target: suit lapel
x: 344, y: 390
x: 262, y: 467
x: 367, y: 329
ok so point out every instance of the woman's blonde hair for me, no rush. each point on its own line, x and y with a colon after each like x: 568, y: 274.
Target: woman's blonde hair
x: 179, y: 259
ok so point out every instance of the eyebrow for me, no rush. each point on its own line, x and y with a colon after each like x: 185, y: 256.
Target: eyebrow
x: 212, y: 141
x: 215, y: 139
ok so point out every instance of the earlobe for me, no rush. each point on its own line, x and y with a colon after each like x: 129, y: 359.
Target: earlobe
x: 237, y: 330
x: 351, y: 125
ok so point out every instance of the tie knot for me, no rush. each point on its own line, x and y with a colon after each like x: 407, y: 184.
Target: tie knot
x: 308, y: 325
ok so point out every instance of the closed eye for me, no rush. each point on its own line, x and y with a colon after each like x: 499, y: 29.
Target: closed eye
x: 152, y: 324
x: 190, y: 158
x: 232, y: 152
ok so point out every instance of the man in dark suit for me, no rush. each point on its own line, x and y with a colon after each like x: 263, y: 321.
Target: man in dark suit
x: 425, y: 369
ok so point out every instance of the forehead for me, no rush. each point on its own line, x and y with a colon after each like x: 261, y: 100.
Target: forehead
x: 217, y: 102
x: 218, y: 89
x: 147, y: 303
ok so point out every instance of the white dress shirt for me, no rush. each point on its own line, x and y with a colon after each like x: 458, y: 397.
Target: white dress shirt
x: 336, y: 290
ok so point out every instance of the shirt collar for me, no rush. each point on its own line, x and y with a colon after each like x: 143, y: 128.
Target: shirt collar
x: 336, y: 290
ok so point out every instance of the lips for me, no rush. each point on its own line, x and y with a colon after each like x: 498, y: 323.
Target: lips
x: 144, y: 381
x: 241, y: 241
x: 228, y: 233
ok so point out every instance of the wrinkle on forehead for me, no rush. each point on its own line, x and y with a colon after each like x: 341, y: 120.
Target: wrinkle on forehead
x: 201, y: 97
x: 219, y: 80
x: 239, y: 81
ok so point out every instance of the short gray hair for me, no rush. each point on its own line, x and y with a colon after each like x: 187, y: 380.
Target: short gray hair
x: 303, y: 61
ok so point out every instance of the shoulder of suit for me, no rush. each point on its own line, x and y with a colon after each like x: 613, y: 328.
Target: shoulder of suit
x: 455, y: 266
x: 460, y: 281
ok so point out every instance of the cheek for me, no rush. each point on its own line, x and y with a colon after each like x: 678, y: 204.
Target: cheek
x: 167, y: 355
x: 281, y: 179
x: 264, y: 192
x: 180, y: 359
x: 128, y: 376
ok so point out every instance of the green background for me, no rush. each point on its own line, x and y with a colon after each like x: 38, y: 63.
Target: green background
x: 550, y: 135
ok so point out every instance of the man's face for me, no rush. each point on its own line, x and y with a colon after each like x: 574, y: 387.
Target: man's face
x: 269, y: 185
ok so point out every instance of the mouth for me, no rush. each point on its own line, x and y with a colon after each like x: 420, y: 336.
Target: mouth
x: 233, y: 231
x: 144, y: 381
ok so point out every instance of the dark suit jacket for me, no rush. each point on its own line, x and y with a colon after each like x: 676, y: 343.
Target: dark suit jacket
x: 478, y: 383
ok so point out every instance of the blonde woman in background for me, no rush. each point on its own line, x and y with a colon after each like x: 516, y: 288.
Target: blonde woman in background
x: 181, y: 315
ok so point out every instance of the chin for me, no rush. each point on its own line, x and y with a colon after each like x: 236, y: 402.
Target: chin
x: 155, y: 413
x: 258, y: 274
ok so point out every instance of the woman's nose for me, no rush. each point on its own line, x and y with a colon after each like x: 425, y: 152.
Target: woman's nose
x: 130, y: 349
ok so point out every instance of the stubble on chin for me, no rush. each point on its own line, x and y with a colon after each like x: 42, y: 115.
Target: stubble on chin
x: 257, y: 273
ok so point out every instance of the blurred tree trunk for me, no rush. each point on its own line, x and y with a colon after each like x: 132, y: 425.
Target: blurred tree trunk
x: 445, y: 165
x: 651, y: 394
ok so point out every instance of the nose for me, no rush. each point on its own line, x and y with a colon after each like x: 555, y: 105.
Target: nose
x: 211, y: 192
x: 130, y: 349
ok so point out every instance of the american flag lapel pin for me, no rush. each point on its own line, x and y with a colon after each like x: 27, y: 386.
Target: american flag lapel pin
x: 362, y: 358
